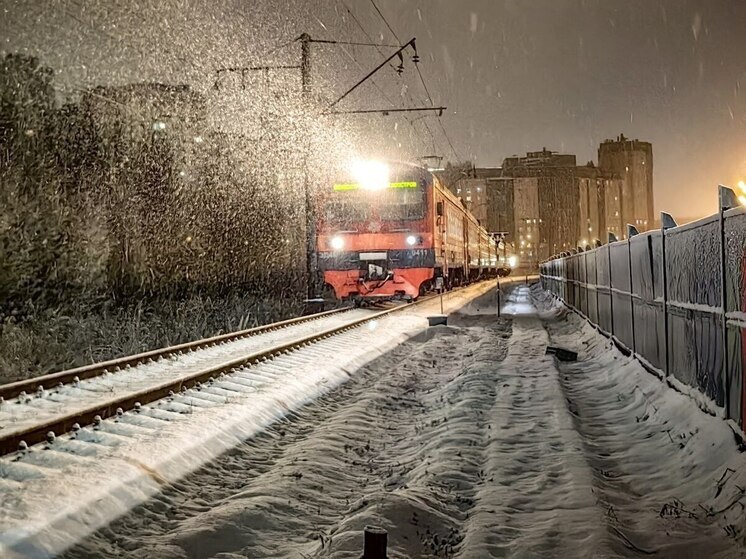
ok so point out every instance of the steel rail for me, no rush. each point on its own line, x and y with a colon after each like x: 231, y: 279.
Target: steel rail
x: 53, y: 380
x: 33, y: 434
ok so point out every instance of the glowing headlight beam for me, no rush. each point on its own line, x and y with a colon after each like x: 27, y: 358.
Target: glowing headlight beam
x: 337, y: 243
x: 371, y: 175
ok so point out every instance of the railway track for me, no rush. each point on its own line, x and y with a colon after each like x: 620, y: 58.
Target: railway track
x: 41, y: 409
x: 69, y: 376
x: 120, y: 437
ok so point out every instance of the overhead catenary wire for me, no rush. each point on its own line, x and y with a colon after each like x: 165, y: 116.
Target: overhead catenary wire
x: 422, y: 79
x: 354, y: 43
x: 385, y: 21
x: 409, y: 97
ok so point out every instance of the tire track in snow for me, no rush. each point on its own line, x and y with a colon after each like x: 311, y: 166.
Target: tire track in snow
x: 540, y: 503
x: 655, y: 457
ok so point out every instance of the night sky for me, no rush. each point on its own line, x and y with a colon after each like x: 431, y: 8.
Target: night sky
x: 516, y: 75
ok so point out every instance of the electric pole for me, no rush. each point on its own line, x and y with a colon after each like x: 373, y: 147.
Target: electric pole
x: 305, y: 40
x: 312, y: 264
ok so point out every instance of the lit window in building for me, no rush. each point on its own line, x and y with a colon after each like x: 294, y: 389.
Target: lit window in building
x: 458, y: 191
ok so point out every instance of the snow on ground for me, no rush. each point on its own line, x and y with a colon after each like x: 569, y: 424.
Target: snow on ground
x: 55, y: 494
x: 27, y: 411
x: 466, y: 441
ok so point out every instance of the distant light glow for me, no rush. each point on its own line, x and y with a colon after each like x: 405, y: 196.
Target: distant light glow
x: 371, y: 175
x: 337, y: 243
x: 512, y: 261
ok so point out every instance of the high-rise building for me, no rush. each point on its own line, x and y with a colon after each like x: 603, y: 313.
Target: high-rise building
x: 546, y: 203
x: 632, y: 162
x: 599, y: 205
x: 592, y: 205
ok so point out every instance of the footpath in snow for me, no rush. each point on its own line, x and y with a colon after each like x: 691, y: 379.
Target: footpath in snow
x: 466, y: 441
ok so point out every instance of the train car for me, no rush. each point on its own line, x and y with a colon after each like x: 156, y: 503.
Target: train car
x: 389, y: 230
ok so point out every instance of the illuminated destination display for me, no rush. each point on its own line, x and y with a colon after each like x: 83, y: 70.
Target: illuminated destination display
x: 357, y: 186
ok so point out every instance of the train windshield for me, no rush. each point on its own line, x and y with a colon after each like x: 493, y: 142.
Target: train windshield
x: 400, y: 201
x: 347, y: 206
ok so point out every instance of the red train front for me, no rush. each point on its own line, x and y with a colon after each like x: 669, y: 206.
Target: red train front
x: 375, y: 232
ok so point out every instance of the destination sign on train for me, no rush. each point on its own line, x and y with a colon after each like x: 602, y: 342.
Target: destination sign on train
x: 357, y: 186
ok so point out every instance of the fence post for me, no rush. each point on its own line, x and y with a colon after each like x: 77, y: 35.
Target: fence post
x: 595, y: 282
x: 727, y: 199
x: 631, y: 232
x: 585, y: 265
x: 611, y: 285
x: 667, y: 222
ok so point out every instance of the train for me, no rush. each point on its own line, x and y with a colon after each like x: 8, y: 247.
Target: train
x: 391, y: 230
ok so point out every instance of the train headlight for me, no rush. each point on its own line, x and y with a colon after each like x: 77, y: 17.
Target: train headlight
x: 337, y: 243
x: 411, y: 240
x: 370, y: 175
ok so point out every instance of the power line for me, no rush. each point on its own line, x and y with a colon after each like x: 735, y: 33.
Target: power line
x: 422, y: 79
x: 330, y: 42
x: 360, y: 25
x: 368, y: 36
x: 384, y: 21
x: 369, y: 74
x: 378, y: 87
x: 409, y: 96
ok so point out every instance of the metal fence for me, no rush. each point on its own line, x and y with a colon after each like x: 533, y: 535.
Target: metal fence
x: 676, y: 297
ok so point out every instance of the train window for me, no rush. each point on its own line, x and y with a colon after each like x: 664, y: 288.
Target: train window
x: 440, y: 208
x: 347, y: 207
x: 401, y: 204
